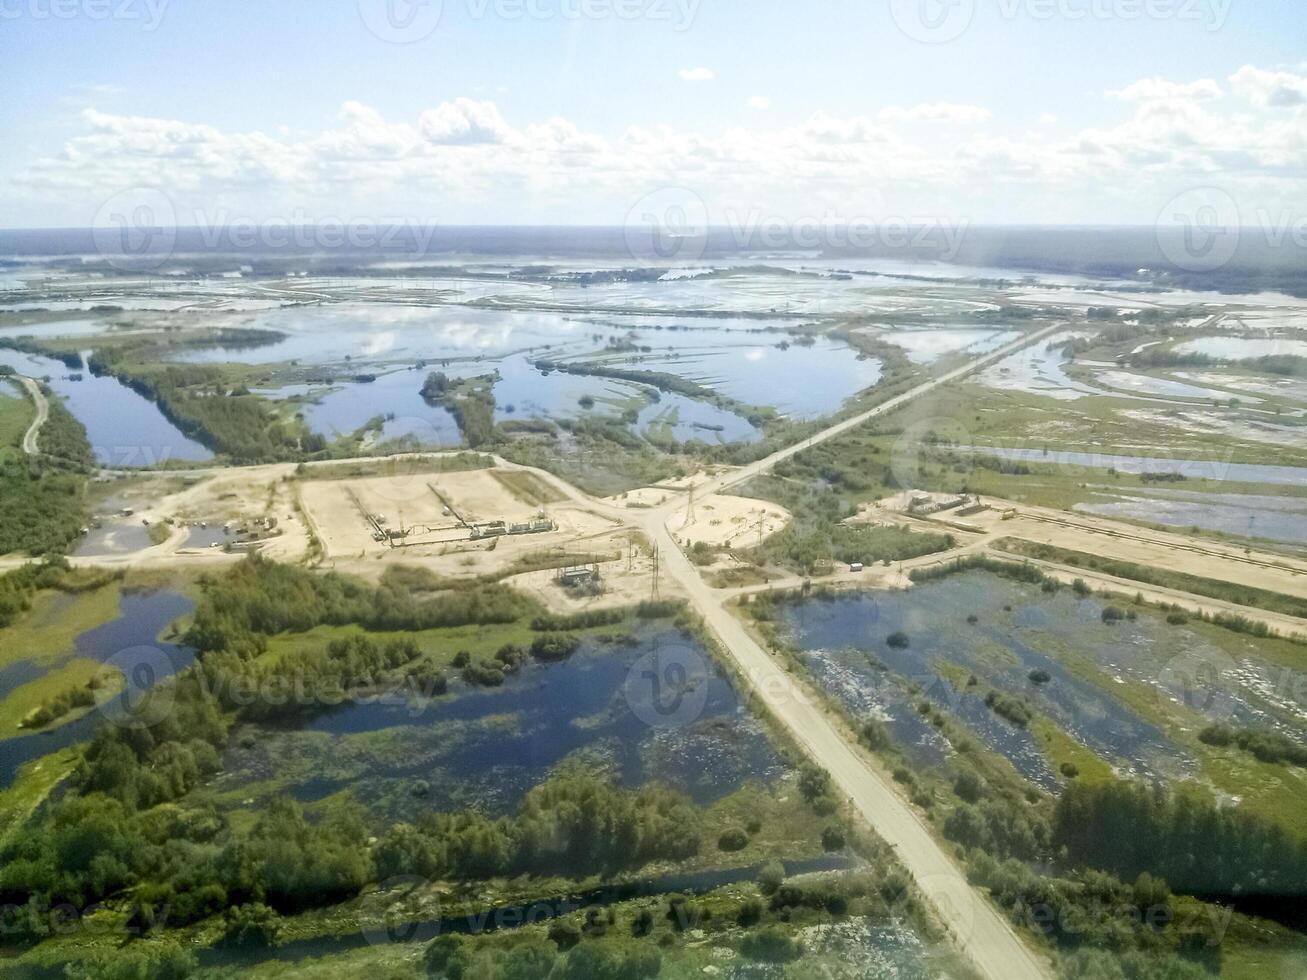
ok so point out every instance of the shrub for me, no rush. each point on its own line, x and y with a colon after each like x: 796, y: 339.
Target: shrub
x: 252, y: 925
x: 771, y: 877
x: 771, y: 945
x: 734, y: 839
x: 969, y: 786
x: 898, y: 640
x: 832, y: 839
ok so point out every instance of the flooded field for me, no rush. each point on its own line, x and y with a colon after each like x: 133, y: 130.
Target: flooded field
x: 124, y: 428
x: 1194, y: 469
x: 844, y: 643
x: 1244, y: 348
x: 486, y: 747
x: 759, y: 372
x: 130, y: 642
x: 1253, y: 515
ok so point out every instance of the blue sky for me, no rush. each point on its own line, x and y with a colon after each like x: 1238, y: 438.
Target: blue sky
x: 540, y: 111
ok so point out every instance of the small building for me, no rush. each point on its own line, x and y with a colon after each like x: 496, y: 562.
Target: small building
x: 855, y: 566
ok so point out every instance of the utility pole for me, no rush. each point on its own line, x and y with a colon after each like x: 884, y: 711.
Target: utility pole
x: 653, y: 590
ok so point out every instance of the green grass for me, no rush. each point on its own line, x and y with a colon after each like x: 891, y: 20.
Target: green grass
x: 1059, y: 748
x: 1243, y: 595
x: 440, y: 645
x: 32, y: 785
x: 16, y: 414
x: 46, y: 633
x: 22, y: 700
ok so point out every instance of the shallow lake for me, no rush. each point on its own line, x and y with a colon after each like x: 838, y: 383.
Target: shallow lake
x: 1243, y: 348
x: 1253, y: 515
x: 798, y: 380
x: 124, y: 428
x: 844, y: 638
x: 486, y: 747
x: 131, y: 643
x: 1194, y: 469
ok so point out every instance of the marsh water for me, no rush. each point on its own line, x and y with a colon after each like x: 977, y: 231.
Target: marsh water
x: 1018, y: 629
x: 486, y: 747
x: 128, y: 642
x: 124, y: 428
x: 1253, y: 515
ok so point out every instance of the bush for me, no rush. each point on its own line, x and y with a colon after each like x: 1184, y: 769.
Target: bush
x: 1070, y: 770
x: 554, y: 646
x: 564, y: 935
x: 832, y: 839
x: 1111, y: 614
x: 252, y: 925
x: 734, y: 839
x: 771, y: 877
x: 771, y: 945
x: 898, y: 640
x: 969, y: 786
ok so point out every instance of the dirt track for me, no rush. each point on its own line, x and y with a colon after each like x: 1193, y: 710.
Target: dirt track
x: 42, y: 414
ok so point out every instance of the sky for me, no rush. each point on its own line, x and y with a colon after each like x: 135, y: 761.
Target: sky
x: 597, y: 111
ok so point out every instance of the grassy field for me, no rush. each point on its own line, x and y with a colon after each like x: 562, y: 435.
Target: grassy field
x: 527, y: 487
x: 46, y: 634
x: 22, y: 700
x: 16, y: 414
x: 1243, y: 595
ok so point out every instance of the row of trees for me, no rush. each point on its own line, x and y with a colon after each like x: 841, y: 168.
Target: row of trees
x: 261, y: 597
x: 1200, y: 848
x: 572, y: 824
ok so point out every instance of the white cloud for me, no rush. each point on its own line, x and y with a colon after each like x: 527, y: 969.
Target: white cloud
x: 1160, y: 89
x: 1048, y: 119
x: 463, y: 122
x: 1270, y: 89
x: 696, y: 74
x: 936, y: 112
x: 461, y: 160
x: 759, y: 102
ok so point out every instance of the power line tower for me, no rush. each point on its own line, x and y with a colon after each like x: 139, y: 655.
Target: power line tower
x: 653, y: 589
x: 689, y: 510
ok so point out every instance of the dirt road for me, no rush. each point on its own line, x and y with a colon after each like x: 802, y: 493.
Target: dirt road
x: 748, y: 472
x: 42, y: 414
x: 978, y: 928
